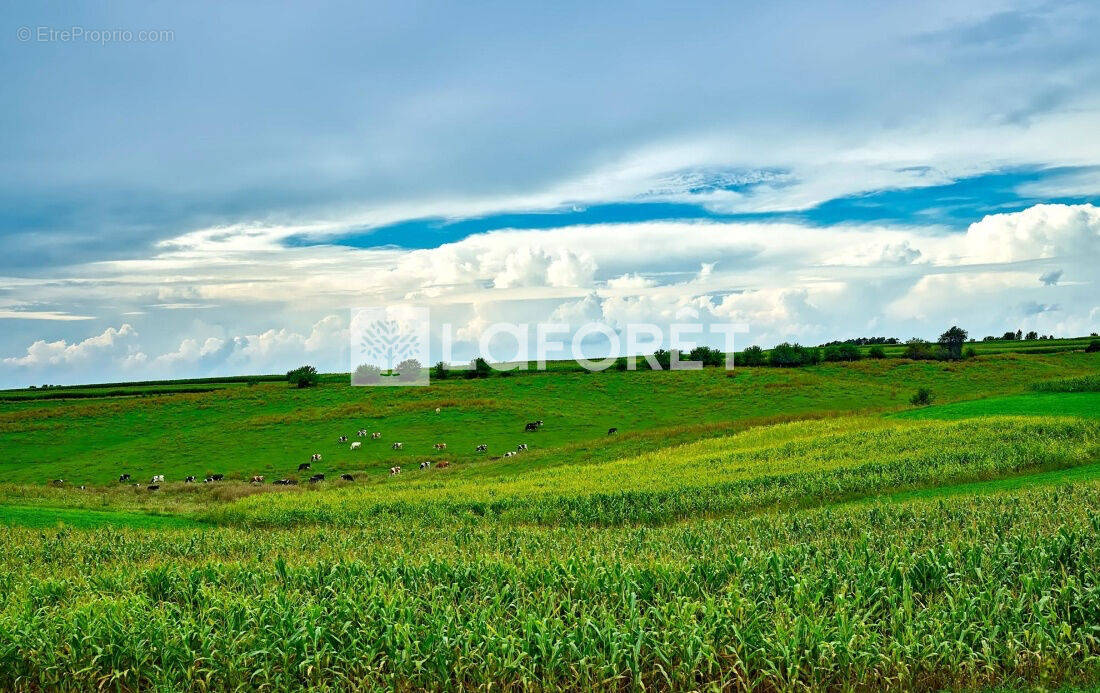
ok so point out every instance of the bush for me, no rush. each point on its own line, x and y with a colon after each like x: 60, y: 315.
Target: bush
x: 707, y: 356
x: 876, y: 352
x: 922, y: 398
x: 663, y: 359
x: 1082, y: 383
x: 439, y: 372
x: 753, y: 356
x: 622, y: 363
x: 792, y: 355
x: 479, y: 368
x: 408, y: 370
x: 841, y: 352
x: 306, y: 376
x: 366, y: 374
x: 920, y: 350
x: 1093, y: 347
x: 969, y: 352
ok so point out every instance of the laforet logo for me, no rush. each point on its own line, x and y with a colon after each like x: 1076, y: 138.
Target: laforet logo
x: 389, y: 346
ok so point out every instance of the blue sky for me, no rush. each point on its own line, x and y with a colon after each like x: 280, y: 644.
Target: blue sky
x: 217, y: 199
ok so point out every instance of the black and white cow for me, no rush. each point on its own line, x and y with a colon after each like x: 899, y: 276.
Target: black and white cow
x: 123, y: 478
x: 304, y: 466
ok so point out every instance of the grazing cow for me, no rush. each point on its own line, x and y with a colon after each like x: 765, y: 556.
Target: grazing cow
x: 304, y: 466
x: 481, y: 448
x: 189, y: 480
x: 531, y: 427
x: 510, y: 453
x: 356, y: 445
x: 342, y: 439
x: 347, y: 477
x: 82, y: 487
x: 440, y: 446
x: 361, y: 432
x: 257, y: 479
x: 395, y: 471
x: 217, y: 477
x: 375, y: 436
x: 157, y: 479
x: 284, y: 482
x: 398, y: 446
x: 154, y: 487
x: 443, y: 464
x: 315, y: 457
x: 123, y: 478
x: 316, y: 477
x: 612, y: 431
x: 425, y: 464
x: 522, y: 447
x: 438, y: 409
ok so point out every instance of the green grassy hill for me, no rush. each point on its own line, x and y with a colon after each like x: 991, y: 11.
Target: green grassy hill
x: 769, y: 529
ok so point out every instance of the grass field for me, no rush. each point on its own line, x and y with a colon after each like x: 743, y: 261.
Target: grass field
x: 772, y: 529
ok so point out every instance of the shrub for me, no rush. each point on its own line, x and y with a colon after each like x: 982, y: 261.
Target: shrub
x: 787, y: 355
x: 439, y: 372
x: 922, y: 398
x: 408, y: 370
x: 306, y: 376
x: 1093, y: 347
x: 920, y: 350
x: 970, y: 352
x: 707, y: 356
x: 753, y: 356
x: 663, y: 358
x: 366, y: 374
x: 622, y: 363
x: 842, y: 352
x: 876, y: 352
x: 479, y: 368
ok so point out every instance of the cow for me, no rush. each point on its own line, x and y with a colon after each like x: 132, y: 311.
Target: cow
x: 440, y: 446
x: 157, y: 479
x: 356, y: 445
x: 189, y: 480
x: 154, y: 487
x: 217, y: 477
x: 395, y: 470
x: 123, y: 478
x: 612, y: 431
x: 522, y: 447
x: 257, y: 479
x: 510, y: 453
x: 361, y: 432
x: 425, y: 464
x: 347, y: 477
x: 284, y: 482
x: 375, y: 436
x: 58, y: 482
x: 531, y: 427
x: 438, y: 409
x: 443, y: 464
x: 481, y: 448
x: 397, y: 446
x: 316, y: 477
x: 315, y: 457
x: 342, y: 439
x: 304, y: 466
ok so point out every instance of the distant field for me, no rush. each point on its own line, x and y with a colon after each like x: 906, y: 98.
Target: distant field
x: 768, y: 529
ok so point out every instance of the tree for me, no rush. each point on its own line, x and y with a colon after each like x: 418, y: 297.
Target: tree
x: 842, y: 352
x: 479, y: 369
x: 1093, y: 347
x: 366, y: 374
x: 1032, y: 335
x: 918, y: 350
x: 408, y: 370
x: 707, y: 356
x: 306, y: 376
x: 1019, y: 334
x: 791, y: 355
x: 440, y: 371
x: 952, y: 341
x: 921, y: 398
x: 876, y: 352
x: 753, y: 356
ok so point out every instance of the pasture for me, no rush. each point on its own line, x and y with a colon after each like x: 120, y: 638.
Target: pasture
x: 769, y: 529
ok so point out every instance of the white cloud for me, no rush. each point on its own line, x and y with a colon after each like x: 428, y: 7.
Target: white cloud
x: 111, y: 344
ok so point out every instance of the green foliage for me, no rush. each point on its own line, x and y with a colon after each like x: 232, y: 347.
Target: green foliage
x: 920, y: 350
x: 479, y: 368
x: 408, y: 370
x: 1084, y: 383
x: 1093, y: 347
x: 842, y: 352
x: 708, y: 356
x: 787, y: 355
x: 752, y: 356
x: 952, y: 342
x: 366, y: 374
x: 923, y: 397
x: 303, y: 377
x: 876, y: 352
x: 439, y: 371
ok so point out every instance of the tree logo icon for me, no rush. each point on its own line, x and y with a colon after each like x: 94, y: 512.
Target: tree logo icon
x: 389, y: 346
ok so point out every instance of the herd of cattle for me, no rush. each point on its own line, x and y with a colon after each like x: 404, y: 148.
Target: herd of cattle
x: 157, y: 480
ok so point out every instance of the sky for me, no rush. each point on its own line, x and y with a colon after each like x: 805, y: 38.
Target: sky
x: 193, y: 189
